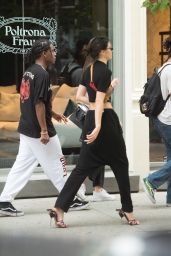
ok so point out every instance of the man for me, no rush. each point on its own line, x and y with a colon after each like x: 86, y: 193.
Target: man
x: 163, y: 125
x: 38, y: 140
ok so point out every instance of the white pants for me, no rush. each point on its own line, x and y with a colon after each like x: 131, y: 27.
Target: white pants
x: 31, y: 152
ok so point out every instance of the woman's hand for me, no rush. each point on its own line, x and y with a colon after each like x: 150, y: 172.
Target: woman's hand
x: 92, y: 136
x: 115, y: 82
x: 60, y: 118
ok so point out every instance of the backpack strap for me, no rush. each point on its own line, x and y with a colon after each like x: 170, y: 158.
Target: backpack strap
x: 168, y: 96
x: 159, y: 73
x: 72, y: 67
x: 162, y: 69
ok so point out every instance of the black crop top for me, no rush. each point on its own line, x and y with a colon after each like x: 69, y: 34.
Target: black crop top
x: 101, y: 79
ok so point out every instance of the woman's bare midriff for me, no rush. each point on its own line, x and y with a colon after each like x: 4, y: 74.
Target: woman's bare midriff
x: 92, y: 105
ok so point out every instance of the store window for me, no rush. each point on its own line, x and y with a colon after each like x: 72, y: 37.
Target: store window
x: 75, y: 20
x: 65, y: 22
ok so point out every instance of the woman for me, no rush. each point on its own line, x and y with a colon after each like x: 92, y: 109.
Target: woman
x: 97, y: 178
x: 103, y: 140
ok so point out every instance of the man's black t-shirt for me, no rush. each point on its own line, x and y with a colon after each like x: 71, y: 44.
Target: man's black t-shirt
x: 35, y: 86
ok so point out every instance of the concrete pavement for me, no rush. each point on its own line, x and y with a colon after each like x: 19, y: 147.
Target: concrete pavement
x: 100, y: 221
x: 90, y: 232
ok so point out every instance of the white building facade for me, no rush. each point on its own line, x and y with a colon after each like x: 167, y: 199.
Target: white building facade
x: 130, y: 65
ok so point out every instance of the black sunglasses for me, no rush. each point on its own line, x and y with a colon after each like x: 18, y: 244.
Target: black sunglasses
x: 111, y: 48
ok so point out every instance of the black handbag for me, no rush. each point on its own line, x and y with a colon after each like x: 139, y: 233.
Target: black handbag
x: 78, y: 116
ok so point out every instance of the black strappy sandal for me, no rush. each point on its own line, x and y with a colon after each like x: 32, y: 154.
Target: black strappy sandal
x: 131, y: 222
x: 58, y: 223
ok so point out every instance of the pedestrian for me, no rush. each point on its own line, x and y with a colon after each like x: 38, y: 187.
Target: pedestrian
x: 74, y: 77
x: 39, y: 143
x: 162, y: 124
x: 103, y: 139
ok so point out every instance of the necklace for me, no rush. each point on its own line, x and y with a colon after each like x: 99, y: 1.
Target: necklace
x: 41, y: 66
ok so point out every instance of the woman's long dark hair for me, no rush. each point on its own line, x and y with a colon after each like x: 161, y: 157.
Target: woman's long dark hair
x: 95, y: 46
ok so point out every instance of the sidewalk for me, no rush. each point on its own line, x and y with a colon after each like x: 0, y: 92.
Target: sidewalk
x: 88, y: 229
x: 100, y: 221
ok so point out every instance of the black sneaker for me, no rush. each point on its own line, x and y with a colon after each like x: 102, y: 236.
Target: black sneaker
x: 7, y: 209
x: 78, y: 205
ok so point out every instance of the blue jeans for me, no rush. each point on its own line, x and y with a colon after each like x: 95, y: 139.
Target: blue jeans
x: 164, y: 174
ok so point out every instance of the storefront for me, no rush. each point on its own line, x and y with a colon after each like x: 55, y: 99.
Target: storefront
x: 67, y: 24
x: 67, y: 21
x: 63, y: 22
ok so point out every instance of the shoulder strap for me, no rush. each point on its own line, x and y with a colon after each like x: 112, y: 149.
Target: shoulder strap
x: 168, y: 96
x: 91, y: 73
x: 73, y: 66
x: 64, y: 69
x: 162, y: 69
x: 91, y: 84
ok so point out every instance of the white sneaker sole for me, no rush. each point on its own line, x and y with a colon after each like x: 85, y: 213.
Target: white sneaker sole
x: 80, y: 208
x: 102, y: 199
x: 10, y: 214
x: 147, y: 194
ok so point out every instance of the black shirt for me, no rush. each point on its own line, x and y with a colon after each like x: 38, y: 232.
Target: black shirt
x: 35, y: 86
x: 101, y: 79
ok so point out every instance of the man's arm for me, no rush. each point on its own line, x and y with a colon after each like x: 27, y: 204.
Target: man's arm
x: 40, y: 112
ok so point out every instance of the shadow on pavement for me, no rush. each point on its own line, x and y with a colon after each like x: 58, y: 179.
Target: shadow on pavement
x: 148, y: 244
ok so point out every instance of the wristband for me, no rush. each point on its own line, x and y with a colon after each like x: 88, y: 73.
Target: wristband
x: 44, y: 133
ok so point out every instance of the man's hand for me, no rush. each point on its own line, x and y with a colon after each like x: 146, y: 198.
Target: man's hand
x: 60, y: 118
x: 44, y: 137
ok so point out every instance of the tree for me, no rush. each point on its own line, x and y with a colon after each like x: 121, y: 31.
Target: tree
x: 155, y: 5
x: 158, y: 5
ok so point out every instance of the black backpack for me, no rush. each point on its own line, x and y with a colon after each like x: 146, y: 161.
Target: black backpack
x: 151, y: 102
x: 67, y: 71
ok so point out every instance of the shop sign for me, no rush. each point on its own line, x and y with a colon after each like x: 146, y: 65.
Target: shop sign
x: 18, y: 34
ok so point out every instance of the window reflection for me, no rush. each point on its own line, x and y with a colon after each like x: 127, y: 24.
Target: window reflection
x: 76, y: 20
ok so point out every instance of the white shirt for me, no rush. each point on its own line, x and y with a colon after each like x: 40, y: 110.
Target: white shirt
x: 165, y: 78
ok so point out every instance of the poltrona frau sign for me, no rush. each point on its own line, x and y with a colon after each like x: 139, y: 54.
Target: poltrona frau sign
x: 18, y: 34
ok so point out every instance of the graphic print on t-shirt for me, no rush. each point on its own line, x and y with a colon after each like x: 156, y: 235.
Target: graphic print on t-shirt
x: 24, y: 90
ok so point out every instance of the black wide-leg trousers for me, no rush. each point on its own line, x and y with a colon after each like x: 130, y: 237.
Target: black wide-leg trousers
x: 108, y: 149
x: 98, y: 177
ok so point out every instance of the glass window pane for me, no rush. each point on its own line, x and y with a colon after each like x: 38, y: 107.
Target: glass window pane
x: 77, y: 21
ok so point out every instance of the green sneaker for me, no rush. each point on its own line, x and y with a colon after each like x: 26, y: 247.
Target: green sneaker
x: 149, y: 190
